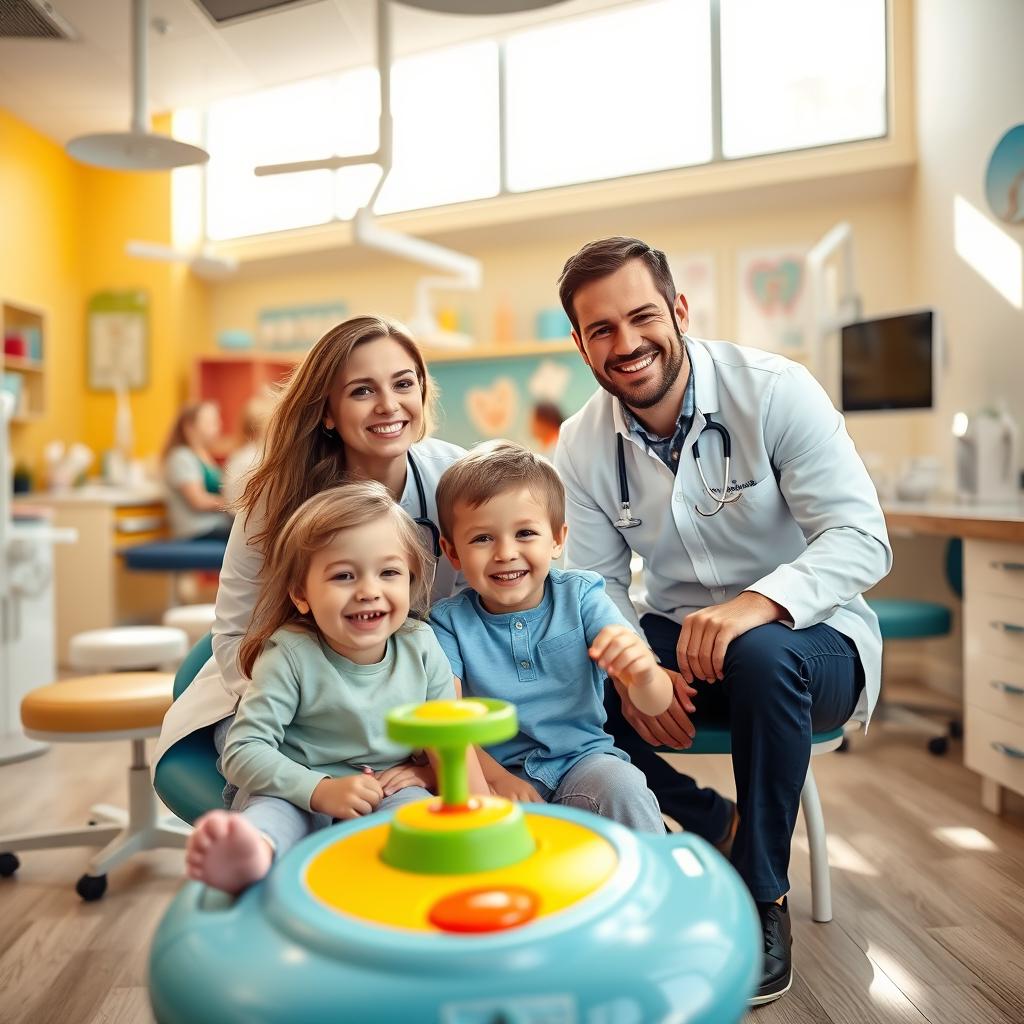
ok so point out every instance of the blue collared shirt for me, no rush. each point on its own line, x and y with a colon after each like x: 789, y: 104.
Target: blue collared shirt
x: 538, y: 660
x: 667, y: 448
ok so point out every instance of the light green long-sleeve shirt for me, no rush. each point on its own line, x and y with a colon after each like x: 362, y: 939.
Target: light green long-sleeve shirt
x: 310, y: 713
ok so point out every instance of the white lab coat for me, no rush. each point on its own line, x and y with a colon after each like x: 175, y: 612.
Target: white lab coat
x: 217, y: 687
x: 808, y: 532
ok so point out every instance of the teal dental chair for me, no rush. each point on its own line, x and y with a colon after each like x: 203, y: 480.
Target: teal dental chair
x: 186, y: 777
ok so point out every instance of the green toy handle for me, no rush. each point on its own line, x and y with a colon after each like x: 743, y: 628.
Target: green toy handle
x: 449, y: 728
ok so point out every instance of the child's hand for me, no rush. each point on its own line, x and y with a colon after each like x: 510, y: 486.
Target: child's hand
x: 624, y: 656
x: 407, y: 774
x: 513, y: 788
x: 349, y: 797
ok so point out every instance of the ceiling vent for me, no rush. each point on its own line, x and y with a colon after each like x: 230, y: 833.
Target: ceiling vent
x: 220, y: 12
x: 32, y: 19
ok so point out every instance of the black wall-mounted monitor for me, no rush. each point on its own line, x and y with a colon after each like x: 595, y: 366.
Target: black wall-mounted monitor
x: 889, y: 363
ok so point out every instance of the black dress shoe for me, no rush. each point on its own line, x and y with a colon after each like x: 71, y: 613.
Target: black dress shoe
x: 777, y: 972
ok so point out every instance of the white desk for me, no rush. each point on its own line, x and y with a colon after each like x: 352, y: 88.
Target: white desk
x: 993, y: 617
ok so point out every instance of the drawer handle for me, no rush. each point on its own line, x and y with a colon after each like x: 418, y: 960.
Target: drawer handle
x: 1008, y: 566
x: 1008, y: 688
x: 1008, y: 627
x: 1005, y: 748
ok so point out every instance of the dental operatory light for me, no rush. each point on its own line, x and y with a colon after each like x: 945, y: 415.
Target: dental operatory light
x: 137, y: 149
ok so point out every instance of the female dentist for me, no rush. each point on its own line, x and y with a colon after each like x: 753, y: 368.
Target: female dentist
x: 359, y: 406
x: 730, y: 473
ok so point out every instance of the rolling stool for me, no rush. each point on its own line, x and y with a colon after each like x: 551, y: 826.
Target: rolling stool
x: 195, y: 619
x: 127, y: 648
x: 122, y: 706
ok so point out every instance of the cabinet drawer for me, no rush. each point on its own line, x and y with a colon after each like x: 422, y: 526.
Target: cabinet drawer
x: 994, y: 625
x: 996, y: 685
x: 993, y: 568
x: 995, y: 748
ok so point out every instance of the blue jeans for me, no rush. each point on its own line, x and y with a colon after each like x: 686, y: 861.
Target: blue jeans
x: 780, y: 686
x: 606, y: 785
x: 284, y: 824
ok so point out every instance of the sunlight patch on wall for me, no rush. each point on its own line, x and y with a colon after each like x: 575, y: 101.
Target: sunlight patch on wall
x: 989, y: 250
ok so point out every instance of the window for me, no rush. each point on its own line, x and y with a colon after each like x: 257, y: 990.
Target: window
x: 609, y: 95
x: 272, y: 126
x: 445, y: 108
x: 799, y: 73
x: 587, y: 98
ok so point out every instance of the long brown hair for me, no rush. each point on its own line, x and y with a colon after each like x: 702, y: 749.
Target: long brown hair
x: 183, y: 422
x: 309, y: 529
x: 300, y: 457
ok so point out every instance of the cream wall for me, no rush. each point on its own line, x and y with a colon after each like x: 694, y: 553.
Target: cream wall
x: 970, y: 75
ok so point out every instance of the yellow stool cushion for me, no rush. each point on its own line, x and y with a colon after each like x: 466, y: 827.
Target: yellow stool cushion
x: 116, y: 702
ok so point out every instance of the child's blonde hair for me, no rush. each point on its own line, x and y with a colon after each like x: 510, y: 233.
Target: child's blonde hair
x: 310, y: 529
x: 492, y: 468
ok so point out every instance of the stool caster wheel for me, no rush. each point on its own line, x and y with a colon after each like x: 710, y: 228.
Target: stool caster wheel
x: 938, y: 746
x: 91, y: 887
x: 956, y: 729
x: 9, y: 863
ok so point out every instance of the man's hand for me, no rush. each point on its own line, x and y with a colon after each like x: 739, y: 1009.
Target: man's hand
x: 407, y: 774
x: 672, y: 728
x: 625, y: 657
x: 706, y: 634
x: 511, y: 787
x: 350, y: 796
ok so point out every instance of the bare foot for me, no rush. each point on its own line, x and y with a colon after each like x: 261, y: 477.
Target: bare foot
x: 225, y: 851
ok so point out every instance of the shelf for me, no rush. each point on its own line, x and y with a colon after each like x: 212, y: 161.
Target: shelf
x: 431, y: 354
x: 513, y: 350
x: 22, y: 365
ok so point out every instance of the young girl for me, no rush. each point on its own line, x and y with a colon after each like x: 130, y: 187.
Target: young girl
x: 330, y: 649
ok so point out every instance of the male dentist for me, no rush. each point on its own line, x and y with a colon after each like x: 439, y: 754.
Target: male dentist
x: 752, y: 579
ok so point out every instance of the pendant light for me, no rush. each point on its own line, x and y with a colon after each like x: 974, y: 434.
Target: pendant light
x: 137, y: 149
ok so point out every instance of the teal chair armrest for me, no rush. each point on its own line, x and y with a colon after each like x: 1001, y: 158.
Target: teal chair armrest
x: 186, y: 777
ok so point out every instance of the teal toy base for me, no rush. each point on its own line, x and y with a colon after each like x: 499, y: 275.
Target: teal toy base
x: 672, y: 935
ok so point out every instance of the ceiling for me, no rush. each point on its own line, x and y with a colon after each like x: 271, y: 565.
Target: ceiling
x: 66, y: 88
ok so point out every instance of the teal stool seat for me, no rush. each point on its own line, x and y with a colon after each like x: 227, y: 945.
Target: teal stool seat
x: 711, y: 739
x: 186, y: 777
x: 911, y: 620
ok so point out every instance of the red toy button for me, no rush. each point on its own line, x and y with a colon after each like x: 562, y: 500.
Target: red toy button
x: 484, y: 910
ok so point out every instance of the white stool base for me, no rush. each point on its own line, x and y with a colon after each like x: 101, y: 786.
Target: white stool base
x: 121, y: 833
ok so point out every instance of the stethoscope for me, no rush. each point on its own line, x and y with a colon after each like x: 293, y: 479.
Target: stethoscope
x: 626, y: 520
x: 423, y: 519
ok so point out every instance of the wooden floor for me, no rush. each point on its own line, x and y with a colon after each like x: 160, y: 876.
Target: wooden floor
x: 928, y: 892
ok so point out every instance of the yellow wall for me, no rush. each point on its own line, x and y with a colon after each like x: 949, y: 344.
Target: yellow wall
x: 64, y: 226
x: 40, y: 267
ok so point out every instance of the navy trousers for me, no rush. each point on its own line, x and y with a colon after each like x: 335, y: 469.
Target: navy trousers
x: 780, y: 686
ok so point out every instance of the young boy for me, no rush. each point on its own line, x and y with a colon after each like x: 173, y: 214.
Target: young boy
x: 540, y: 637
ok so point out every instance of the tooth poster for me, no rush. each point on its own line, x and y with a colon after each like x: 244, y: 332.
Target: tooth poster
x: 772, y: 296
x: 694, y: 276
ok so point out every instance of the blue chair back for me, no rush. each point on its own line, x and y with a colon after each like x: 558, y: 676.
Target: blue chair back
x: 186, y: 777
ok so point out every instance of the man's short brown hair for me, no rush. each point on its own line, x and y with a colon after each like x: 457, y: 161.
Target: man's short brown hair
x: 492, y: 468
x: 603, y: 257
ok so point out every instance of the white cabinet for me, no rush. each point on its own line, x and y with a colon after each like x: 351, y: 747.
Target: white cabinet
x: 994, y: 666
x: 27, y: 638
